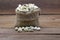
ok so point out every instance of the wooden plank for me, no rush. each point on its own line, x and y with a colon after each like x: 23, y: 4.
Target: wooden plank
x: 9, y: 21
x: 47, y: 6
x: 10, y: 11
x: 50, y: 20
x: 7, y: 4
x: 10, y: 34
x: 30, y: 37
x: 43, y: 31
x: 50, y: 11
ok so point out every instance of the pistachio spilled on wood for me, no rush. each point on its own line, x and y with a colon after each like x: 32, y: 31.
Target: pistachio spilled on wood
x: 27, y: 29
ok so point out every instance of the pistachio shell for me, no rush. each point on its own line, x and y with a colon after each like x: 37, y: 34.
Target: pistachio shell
x: 35, y: 28
x: 19, y: 5
x: 31, y: 27
x: 20, y: 29
x: 26, y: 7
x: 38, y: 29
x: 16, y: 28
x: 30, y: 30
x: 26, y: 29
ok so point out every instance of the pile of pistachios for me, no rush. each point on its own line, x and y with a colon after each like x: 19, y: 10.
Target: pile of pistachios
x: 27, y: 29
x: 26, y: 8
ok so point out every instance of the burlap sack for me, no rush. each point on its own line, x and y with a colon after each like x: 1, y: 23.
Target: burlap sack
x: 27, y: 18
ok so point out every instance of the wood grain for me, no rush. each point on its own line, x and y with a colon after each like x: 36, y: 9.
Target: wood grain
x: 44, y: 11
x: 47, y: 6
x: 50, y: 11
x: 43, y: 31
x: 50, y: 20
x: 12, y: 4
x: 30, y: 37
x: 8, y: 21
x: 44, y: 34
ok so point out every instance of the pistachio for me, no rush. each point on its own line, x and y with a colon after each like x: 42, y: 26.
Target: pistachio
x: 20, y: 29
x: 16, y: 28
x: 38, y: 29
x: 26, y: 29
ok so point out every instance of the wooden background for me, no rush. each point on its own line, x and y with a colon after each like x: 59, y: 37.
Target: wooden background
x: 50, y: 10
x: 47, y: 6
x: 50, y: 17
